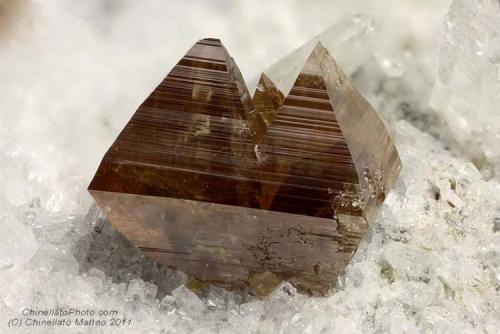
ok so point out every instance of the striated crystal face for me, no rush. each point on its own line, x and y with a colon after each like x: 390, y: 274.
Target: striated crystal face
x: 266, y: 101
x: 304, y: 152
x: 245, y: 192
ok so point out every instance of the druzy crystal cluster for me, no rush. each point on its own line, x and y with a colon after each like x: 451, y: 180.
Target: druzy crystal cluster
x: 73, y: 73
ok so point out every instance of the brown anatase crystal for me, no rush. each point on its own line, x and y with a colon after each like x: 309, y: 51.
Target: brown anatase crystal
x: 243, y: 192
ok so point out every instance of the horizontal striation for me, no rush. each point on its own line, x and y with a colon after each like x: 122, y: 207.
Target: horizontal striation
x: 226, y: 188
x: 193, y: 138
x: 305, y: 140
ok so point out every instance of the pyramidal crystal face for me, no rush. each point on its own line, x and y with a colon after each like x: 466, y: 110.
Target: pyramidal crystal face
x: 371, y: 149
x: 245, y: 193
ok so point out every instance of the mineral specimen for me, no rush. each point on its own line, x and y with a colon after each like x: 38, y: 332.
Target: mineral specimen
x: 226, y: 188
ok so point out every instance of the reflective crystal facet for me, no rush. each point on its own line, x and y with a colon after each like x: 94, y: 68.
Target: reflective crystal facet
x: 235, y: 191
x: 267, y: 101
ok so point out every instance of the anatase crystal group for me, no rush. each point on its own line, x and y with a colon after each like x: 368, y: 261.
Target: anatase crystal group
x: 245, y: 192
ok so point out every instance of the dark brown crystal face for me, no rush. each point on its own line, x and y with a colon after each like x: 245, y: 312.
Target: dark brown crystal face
x: 226, y: 188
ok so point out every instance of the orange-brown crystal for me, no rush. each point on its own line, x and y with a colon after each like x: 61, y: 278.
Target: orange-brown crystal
x: 225, y: 188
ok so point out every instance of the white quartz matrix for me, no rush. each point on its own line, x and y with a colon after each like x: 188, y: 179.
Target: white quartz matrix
x: 73, y: 72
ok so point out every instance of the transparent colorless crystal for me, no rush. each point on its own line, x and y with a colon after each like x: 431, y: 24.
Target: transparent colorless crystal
x: 352, y: 41
x: 20, y: 245
x: 467, y: 90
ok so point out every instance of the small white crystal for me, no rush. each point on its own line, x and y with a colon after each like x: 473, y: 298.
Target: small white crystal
x: 188, y: 302
x: 20, y: 245
x: 17, y: 287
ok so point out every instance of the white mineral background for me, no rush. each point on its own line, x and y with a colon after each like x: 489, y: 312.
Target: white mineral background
x: 73, y: 72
